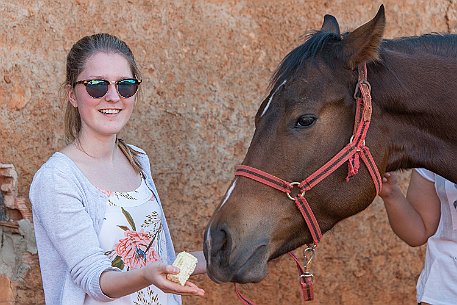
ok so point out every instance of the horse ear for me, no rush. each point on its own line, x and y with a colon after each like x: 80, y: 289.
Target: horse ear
x: 363, y: 43
x: 330, y: 25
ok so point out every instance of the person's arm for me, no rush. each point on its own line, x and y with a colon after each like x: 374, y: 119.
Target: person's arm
x: 57, y: 205
x: 58, y: 209
x: 413, y: 218
x: 118, y: 284
x: 201, y: 264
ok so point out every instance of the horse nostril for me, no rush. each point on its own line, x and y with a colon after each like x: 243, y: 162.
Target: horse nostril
x: 221, y: 244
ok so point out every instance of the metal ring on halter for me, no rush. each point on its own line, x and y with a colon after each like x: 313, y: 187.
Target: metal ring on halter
x: 352, y: 139
x: 365, y: 82
x: 356, y: 91
x: 288, y: 194
x: 357, y: 87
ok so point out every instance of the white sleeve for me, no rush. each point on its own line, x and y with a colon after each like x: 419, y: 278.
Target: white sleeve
x: 430, y: 176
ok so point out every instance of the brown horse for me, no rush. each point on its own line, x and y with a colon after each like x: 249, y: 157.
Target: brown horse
x: 308, y: 117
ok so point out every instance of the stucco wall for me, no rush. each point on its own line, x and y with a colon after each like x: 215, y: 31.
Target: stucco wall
x: 206, y: 66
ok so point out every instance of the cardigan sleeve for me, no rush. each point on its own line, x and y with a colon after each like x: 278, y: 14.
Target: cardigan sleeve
x: 58, y: 205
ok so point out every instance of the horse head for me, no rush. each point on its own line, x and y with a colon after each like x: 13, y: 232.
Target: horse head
x: 306, y: 119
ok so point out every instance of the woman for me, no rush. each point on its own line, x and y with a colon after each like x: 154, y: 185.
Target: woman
x: 428, y: 214
x: 95, y: 207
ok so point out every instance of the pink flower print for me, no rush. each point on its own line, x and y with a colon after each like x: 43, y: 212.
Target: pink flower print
x: 136, y: 249
x: 105, y: 192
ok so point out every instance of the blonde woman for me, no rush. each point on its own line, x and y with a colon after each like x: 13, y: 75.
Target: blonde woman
x: 99, y: 224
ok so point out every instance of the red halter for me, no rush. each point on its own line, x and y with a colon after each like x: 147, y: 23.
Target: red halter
x: 351, y: 153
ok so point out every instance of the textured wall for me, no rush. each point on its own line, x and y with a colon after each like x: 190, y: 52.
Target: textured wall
x: 206, y: 65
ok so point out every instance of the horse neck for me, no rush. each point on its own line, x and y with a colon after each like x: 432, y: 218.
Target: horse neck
x: 417, y: 111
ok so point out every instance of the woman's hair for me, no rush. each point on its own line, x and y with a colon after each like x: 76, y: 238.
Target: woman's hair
x: 76, y: 60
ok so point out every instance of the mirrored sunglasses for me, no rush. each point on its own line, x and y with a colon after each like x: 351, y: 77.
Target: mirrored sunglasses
x: 97, y: 88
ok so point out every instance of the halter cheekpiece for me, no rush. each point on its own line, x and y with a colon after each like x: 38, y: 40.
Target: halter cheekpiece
x: 352, y: 153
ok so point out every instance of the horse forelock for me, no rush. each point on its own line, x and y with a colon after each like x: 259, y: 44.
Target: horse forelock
x: 314, y: 43
x: 296, y: 59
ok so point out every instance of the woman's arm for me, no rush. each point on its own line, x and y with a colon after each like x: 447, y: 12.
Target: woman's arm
x: 118, y: 284
x: 57, y: 205
x: 201, y: 264
x: 413, y: 218
x: 58, y: 209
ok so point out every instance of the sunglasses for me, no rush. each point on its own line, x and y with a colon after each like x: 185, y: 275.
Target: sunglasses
x: 97, y: 88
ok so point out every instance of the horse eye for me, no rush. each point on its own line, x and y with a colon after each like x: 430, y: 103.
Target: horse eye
x: 305, y: 121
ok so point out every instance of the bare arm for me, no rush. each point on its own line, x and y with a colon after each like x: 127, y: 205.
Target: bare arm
x: 414, y: 218
x: 201, y: 264
x: 118, y: 284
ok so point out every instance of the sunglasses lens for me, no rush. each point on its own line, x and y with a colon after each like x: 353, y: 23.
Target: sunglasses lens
x: 127, y: 87
x: 97, y: 88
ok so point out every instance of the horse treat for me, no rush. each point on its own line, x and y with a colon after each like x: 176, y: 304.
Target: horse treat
x: 186, y: 263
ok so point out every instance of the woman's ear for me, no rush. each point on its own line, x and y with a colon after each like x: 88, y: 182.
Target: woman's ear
x: 71, y: 96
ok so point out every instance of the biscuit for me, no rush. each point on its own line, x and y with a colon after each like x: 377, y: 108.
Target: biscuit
x: 186, y: 263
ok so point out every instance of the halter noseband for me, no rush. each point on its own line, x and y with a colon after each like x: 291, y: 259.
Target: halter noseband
x: 351, y: 153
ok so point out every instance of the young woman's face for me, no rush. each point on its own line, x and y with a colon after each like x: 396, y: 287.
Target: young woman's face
x: 105, y: 116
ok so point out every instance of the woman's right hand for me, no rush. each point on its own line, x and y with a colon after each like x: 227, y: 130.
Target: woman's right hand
x: 390, y: 185
x: 156, y: 274
x: 414, y: 217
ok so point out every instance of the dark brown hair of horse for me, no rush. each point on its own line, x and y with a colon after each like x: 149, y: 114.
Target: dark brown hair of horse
x: 429, y: 60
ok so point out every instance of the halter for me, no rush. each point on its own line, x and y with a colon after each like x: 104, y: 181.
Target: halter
x: 352, y: 153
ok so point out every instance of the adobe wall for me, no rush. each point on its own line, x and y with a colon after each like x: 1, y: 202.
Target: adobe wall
x: 206, y: 66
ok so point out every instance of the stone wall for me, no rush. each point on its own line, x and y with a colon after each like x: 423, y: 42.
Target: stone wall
x: 206, y: 66
x: 18, y: 261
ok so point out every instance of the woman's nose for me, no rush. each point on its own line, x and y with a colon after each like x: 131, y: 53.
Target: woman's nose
x: 112, y: 94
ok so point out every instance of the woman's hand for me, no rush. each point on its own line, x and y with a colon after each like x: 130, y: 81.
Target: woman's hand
x: 156, y: 274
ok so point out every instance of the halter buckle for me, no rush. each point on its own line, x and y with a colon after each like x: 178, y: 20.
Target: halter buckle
x: 309, y: 253
x: 306, y: 274
x: 288, y: 194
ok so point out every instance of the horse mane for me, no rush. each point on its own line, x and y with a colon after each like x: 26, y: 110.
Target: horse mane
x: 438, y: 44
x: 314, y: 42
x: 441, y: 45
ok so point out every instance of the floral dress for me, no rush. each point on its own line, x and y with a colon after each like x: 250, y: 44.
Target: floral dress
x: 132, y: 236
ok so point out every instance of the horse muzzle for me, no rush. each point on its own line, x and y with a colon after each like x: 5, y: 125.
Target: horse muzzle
x: 230, y: 261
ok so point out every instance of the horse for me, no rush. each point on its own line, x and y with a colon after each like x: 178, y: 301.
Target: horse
x: 309, y: 116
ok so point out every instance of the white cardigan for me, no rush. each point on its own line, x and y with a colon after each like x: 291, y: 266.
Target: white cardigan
x: 68, y: 213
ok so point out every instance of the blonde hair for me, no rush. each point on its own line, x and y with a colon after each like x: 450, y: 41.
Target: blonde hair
x: 76, y: 59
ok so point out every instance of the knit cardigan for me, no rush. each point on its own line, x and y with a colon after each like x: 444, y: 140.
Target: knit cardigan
x: 68, y: 213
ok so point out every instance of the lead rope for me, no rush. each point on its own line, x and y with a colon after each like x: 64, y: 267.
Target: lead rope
x: 305, y: 276
x: 352, y: 153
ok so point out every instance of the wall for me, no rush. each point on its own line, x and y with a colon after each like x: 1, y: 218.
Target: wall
x: 206, y: 66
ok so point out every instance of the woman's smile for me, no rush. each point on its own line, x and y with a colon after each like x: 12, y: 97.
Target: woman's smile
x: 110, y: 111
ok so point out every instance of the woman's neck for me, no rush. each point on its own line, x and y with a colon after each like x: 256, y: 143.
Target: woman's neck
x: 102, y: 148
